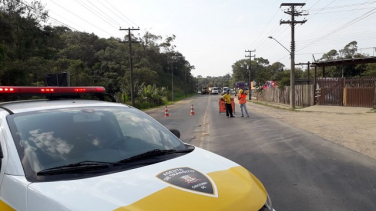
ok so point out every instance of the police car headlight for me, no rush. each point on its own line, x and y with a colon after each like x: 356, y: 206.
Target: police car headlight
x: 268, y: 205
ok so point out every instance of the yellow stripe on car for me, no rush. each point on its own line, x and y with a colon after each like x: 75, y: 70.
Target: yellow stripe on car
x: 5, y: 207
x: 246, y: 193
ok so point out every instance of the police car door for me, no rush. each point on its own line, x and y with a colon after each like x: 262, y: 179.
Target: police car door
x: 12, y: 193
x: 3, y: 160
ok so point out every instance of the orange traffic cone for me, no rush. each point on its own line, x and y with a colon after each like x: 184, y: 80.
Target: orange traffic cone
x: 192, y: 112
x: 166, y: 113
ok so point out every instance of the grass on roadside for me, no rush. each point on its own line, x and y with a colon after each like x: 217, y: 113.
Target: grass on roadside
x: 275, y: 106
x: 177, y: 99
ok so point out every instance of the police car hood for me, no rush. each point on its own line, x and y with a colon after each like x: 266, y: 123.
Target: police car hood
x: 199, y: 180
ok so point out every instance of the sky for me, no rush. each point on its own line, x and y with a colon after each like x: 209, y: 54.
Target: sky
x: 214, y: 34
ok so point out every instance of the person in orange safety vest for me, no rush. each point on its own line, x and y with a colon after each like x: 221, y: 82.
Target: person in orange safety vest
x: 243, y: 102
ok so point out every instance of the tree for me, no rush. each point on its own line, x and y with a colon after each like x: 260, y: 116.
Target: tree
x: 331, y: 55
x: 349, y: 50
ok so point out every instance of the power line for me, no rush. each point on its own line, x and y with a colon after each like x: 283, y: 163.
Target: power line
x: 347, y: 10
x: 81, y: 18
x: 265, y: 27
x: 54, y: 19
x: 64, y: 20
x: 63, y: 23
x: 94, y: 12
x: 272, y: 31
x: 121, y: 13
x: 105, y: 14
x: 320, y: 10
x: 344, y: 26
x: 310, y: 18
x: 342, y: 41
x: 357, y: 34
x: 342, y: 18
x: 112, y: 11
x: 314, y: 4
x: 343, y: 6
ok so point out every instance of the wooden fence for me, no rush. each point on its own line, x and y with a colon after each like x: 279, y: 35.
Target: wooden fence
x: 359, y: 97
x: 352, y: 92
x: 304, y: 95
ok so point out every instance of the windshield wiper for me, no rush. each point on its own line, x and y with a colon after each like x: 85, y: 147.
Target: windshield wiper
x: 153, y: 153
x: 74, y: 167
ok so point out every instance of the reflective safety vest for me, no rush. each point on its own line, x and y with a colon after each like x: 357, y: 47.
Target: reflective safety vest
x: 242, y: 98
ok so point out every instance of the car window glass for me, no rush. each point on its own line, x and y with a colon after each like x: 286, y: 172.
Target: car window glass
x: 60, y: 137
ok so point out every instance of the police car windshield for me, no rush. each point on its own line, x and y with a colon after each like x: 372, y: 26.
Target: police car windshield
x: 52, y: 138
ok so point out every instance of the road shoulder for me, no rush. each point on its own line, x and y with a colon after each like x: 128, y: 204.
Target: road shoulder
x: 355, y: 131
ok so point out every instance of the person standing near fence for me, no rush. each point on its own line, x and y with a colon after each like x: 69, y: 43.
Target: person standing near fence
x: 227, y: 98
x: 243, y: 102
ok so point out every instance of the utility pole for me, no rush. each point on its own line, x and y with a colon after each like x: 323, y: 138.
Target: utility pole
x: 130, y: 61
x: 172, y: 82
x: 250, y: 73
x: 308, y: 75
x: 291, y: 11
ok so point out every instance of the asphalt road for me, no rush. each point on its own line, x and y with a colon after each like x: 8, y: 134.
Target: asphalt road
x: 300, y: 171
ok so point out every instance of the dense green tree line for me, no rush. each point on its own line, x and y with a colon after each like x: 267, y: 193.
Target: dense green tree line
x: 31, y: 49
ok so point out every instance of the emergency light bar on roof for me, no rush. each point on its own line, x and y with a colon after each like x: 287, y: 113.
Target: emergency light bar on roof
x: 56, y: 92
x: 51, y: 90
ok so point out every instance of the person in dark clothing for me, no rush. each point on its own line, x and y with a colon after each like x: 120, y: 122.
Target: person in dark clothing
x: 227, y: 98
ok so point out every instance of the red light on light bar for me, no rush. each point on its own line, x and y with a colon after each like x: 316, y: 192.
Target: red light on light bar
x: 80, y: 90
x: 6, y: 89
x: 47, y: 90
x: 66, y: 91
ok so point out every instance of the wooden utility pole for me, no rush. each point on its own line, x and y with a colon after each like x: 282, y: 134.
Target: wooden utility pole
x: 130, y: 61
x: 308, y: 75
x: 250, y: 73
x: 291, y: 11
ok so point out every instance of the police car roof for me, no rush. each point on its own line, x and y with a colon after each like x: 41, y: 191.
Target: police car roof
x: 38, y: 105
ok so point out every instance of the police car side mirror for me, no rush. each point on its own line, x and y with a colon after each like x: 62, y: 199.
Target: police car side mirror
x: 175, y: 132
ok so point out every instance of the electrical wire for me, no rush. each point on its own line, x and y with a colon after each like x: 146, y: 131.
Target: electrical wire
x: 320, y: 10
x: 80, y: 18
x: 121, y: 13
x: 335, y: 23
x: 265, y: 27
x: 346, y: 10
x: 94, y: 12
x: 109, y: 9
x: 314, y: 4
x: 105, y: 14
x: 61, y: 23
x: 272, y: 31
x: 49, y: 16
x: 344, y: 26
x: 343, y: 6
x: 357, y: 34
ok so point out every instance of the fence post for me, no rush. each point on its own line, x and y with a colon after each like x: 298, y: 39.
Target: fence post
x: 374, y: 97
x: 345, y: 96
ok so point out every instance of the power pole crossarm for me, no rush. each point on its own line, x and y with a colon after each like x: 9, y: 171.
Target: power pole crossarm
x: 130, y: 61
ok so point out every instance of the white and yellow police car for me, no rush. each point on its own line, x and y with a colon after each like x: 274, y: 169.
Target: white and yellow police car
x: 63, y: 153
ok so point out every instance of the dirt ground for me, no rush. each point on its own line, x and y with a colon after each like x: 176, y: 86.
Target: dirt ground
x: 354, y: 131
